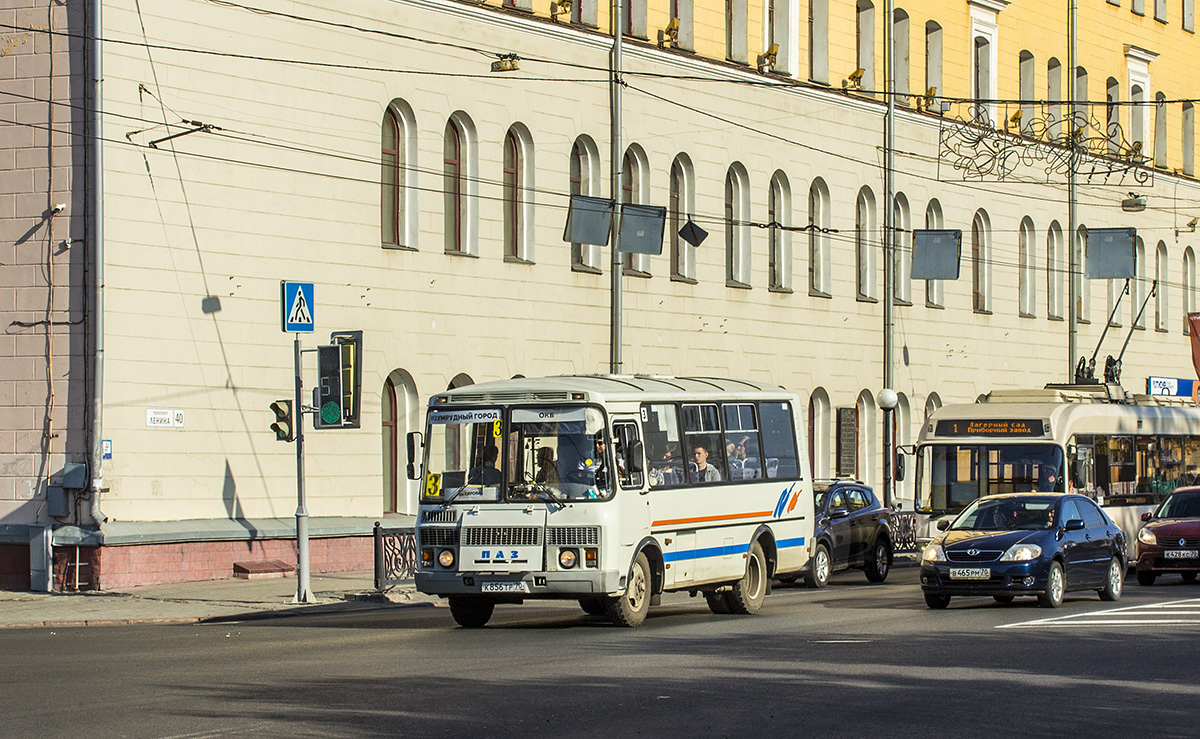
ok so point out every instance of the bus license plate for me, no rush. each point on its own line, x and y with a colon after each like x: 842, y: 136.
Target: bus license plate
x: 505, y: 587
x: 970, y: 573
x: 1181, y: 554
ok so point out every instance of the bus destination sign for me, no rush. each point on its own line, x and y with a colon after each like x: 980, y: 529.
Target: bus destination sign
x: 991, y: 427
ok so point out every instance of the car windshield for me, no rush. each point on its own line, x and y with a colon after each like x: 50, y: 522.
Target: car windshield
x: 1180, y: 505
x: 1006, y: 514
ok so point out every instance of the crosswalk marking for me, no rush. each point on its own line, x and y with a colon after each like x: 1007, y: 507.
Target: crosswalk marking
x: 1171, y: 612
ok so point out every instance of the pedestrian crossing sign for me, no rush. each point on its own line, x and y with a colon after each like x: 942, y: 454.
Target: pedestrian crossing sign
x: 297, y: 306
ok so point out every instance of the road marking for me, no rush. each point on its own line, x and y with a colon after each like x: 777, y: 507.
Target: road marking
x: 1153, y: 613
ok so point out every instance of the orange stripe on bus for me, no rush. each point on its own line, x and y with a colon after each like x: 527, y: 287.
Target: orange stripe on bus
x: 703, y: 519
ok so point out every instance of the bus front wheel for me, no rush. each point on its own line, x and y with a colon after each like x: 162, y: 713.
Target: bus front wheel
x: 471, y: 611
x: 748, y: 593
x: 629, y: 610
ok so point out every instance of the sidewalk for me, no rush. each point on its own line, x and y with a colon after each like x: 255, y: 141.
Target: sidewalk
x: 198, y: 601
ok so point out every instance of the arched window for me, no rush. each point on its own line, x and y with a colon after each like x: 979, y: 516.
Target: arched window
x: 935, y: 296
x: 634, y: 16
x: 819, y: 436
x: 933, y: 58
x: 779, y: 219
x: 1137, y: 116
x: 865, y: 41
x: 901, y: 250
x: 818, y: 239
x: 818, y: 41
x: 517, y: 198
x: 981, y: 238
x: 1160, y: 295
x: 864, y: 244
x: 736, y: 28
x: 1080, y: 109
x: 1188, y: 119
x: 1054, y: 93
x: 1112, y: 115
x: 635, y: 188
x: 900, y: 42
x: 867, y: 460
x: 585, y: 180
x: 981, y: 79
x: 584, y: 12
x: 459, y: 185
x: 1189, y: 285
x: 398, y: 195
x: 1083, y: 292
x: 1160, y: 130
x: 1026, y: 272
x: 1054, y: 271
x: 1137, y: 286
x: 1027, y: 88
x: 737, y: 227
x: 400, y: 409
x: 681, y: 202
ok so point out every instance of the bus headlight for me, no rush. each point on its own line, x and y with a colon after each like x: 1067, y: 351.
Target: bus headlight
x: 568, y: 558
x: 933, y: 553
x: 1146, y: 536
x: 446, y: 558
x: 1021, y: 553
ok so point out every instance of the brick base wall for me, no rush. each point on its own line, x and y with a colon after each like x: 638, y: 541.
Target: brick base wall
x: 106, y: 568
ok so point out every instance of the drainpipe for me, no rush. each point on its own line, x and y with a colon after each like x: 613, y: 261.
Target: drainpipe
x: 97, y: 229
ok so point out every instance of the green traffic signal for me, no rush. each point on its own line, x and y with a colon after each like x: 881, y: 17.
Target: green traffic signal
x: 283, y: 426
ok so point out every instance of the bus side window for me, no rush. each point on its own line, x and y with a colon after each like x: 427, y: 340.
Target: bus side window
x: 664, y: 448
x: 625, y: 446
x: 779, y: 442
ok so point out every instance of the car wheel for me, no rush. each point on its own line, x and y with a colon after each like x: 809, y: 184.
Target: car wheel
x: 1003, y: 598
x: 818, y: 568
x: 937, y: 600
x: 877, y: 566
x: 1055, y: 587
x: 1114, y: 582
x: 471, y: 611
x: 749, y: 593
x: 630, y: 609
x: 1188, y: 576
x: 594, y: 606
x: 1146, y: 578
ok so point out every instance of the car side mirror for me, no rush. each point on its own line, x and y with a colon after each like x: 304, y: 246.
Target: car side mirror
x: 839, y: 513
x: 1075, y: 524
x: 943, y: 525
x: 1147, y: 515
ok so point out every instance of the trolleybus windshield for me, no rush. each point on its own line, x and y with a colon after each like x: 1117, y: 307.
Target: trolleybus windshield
x: 951, y: 476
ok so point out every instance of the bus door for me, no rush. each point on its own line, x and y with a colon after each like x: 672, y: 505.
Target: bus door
x: 629, y: 463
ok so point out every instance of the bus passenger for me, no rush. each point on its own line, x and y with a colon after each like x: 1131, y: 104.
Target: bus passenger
x: 547, y: 469
x: 486, y: 472
x: 705, y: 472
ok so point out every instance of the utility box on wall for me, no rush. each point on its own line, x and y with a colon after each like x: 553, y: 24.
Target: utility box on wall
x: 41, y: 558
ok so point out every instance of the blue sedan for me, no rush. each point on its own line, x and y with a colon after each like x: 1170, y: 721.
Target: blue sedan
x: 1038, y: 544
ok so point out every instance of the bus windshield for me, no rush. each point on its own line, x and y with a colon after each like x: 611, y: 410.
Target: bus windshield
x: 951, y: 476
x: 551, y: 454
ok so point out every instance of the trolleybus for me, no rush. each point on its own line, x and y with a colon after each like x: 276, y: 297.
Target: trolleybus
x: 610, y: 490
x: 1124, y: 451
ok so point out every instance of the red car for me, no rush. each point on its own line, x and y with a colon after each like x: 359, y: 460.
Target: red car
x: 1170, y: 539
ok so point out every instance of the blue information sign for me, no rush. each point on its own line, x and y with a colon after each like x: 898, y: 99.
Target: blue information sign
x: 298, y: 306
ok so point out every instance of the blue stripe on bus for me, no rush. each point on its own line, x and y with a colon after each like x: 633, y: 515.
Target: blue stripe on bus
x: 723, y: 551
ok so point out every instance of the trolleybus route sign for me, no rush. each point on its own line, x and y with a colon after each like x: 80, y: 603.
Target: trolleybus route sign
x: 994, y: 427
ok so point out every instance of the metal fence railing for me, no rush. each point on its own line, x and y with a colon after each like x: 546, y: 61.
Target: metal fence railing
x: 395, y: 556
x: 904, y: 531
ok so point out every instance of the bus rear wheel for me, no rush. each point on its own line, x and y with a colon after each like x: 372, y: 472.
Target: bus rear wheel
x: 629, y: 610
x: 749, y: 593
x: 471, y: 611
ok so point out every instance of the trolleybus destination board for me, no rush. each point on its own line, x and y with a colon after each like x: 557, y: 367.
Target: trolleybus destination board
x: 992, y: 427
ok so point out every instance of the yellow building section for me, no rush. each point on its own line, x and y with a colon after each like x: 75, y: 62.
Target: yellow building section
x: 1112, y: 39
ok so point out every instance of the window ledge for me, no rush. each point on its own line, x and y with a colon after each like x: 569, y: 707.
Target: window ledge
x: 685, y: 279
x: 516, y: 260
x: 1024, y: 314
x: 866, y: 299
x: 737, y: 285
x: 629, y: 272
x: 586, y: 269
x: 899, y: 302
x: 397, y: 247
x: 935, y: 306
x: 781, y: 290
x: 982, y: 312
x: 454, y: 253
x: 1054, y: 318
x: 818, y: 294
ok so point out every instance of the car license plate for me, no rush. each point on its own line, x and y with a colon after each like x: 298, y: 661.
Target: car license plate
x: 505, y: 587
x: 970, y: 573
x: 1181, y: 554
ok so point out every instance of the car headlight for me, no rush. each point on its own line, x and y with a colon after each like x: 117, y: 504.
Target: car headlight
x: 933, y: 553
x: 446, y: 558
x: 568, y: 558
x: 1146, y: 536
x: 1021, y: 553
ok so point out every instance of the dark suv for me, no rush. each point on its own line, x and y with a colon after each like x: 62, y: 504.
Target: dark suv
x: 852, y: 529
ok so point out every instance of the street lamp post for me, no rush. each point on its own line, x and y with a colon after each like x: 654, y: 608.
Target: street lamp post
x: 887, y: 400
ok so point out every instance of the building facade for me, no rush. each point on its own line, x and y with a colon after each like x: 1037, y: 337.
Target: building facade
x: 168, y: 164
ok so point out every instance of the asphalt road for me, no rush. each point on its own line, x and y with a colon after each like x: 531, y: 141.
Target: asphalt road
x: 851, y: 660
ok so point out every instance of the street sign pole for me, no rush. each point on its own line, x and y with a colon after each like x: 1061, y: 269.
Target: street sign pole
x: 304, y: 592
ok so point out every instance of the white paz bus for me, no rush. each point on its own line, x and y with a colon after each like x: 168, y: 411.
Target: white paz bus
x: 1124, y: 451
x: 610, y: 490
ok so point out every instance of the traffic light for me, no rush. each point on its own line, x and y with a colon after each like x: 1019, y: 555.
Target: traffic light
x: 283, y: 426
x: 327, y: 395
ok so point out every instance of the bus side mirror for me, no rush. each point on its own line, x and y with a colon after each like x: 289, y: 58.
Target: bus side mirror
x: 636, y: 453
x: 899, y: 468
x: 414, y: 449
